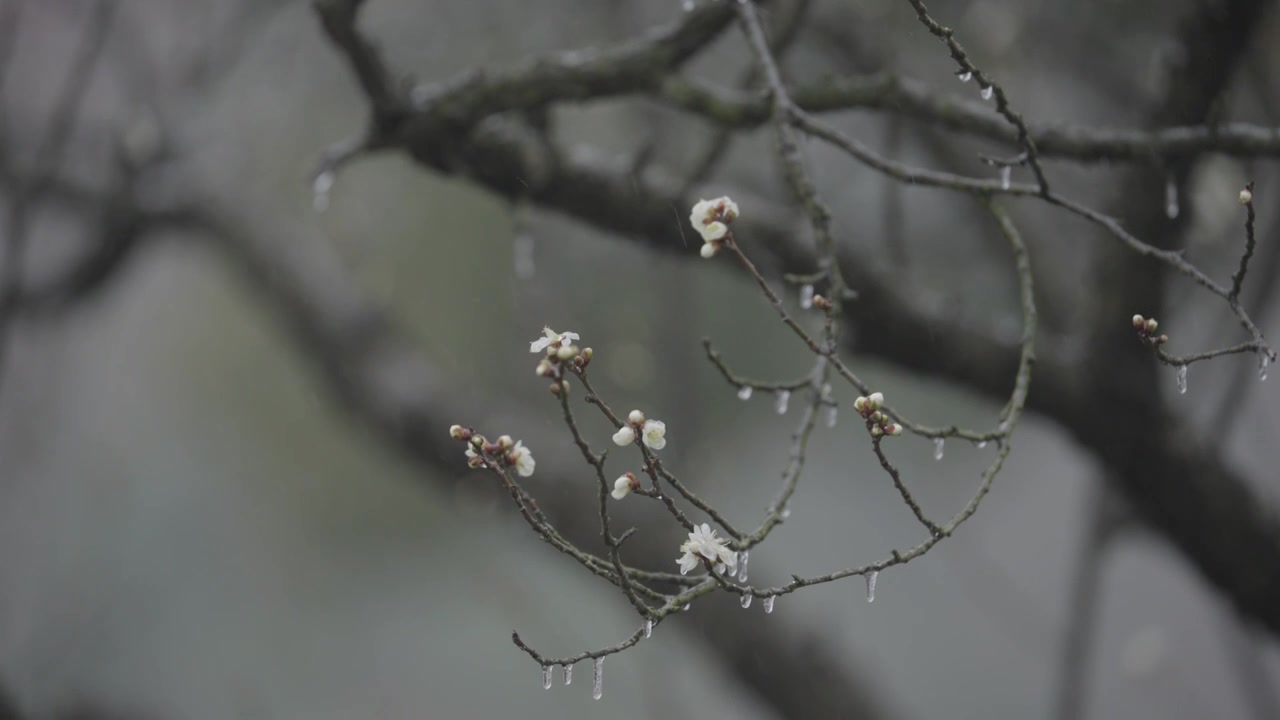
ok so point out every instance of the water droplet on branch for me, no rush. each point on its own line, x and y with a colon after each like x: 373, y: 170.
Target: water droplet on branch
x: 833, y: 416
x: 982, y: 444
x: 745, y: 600
x: 1263, y: 362
x: 320, y: 188
x: 1182, y: 379
x: 784, y: 398
x: 597, y: 678
x: 987, y: 92
x: 742, y: 565
x: 768, y: 604
x: 546, y: 677
x: 744, y: 392
x: 648, y: 629
x: 964, y: 75
x: 871, y: 585
x: 939, y: 447
x: 568, y: 674
x: 806, y: 296
x: 1006, y: 174
x: 1171, y: 198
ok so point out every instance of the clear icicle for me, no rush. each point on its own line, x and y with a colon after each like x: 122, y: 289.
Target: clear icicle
x: 987, y: 92
x: 1182, y: 379
x: 871, y: 585
x: 745, y: 600
x: 806, y: 296
x: 768, y: 603
x: 742, y: 565
x: 784, y: 399
x: 546, y: 676
x: 1006, y: 173
x: 648, y: 629
x: 1171, y: 198
x: 320, y: 188
x: 965, y: 76
x: 522, y: 256
x: 568, y: 674
x: 597, y: 678
x: 744, y: 392
x: 939, y: 447
x: 833, y: 416
x: 1263, y: 362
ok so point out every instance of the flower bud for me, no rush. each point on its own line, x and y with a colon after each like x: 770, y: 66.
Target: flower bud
x: 709, y: 250
x: 477, y: 440
x: 877, y: 417
x: 457, y: 432
x: 1139, y: 322
x: 544, y: 368
x: 876, y: 431
x: 893, y: 429
x: 586, y: 355
x: 554, y: 388
x: 1151, y: 326
x: 1162, y: 339
x: 875, y: 400
x: 636, y: 417
x: 1246, y: 196
x: 489, y: 448
x: 860, y: 404
x: 822, y: 302
x: 566, y: 351
x: 475, y: 462
x: 505, y: 442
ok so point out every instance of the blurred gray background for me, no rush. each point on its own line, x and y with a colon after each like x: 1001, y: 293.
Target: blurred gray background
x: 192, y: 527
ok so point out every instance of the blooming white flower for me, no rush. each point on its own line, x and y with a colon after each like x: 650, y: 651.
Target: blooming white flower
x: 524, y: 459
x: 710, y: 217
x: 623, y: 486
x: 551, y: 337
x: 625, y: 436
x: 703, y: 544
x: 654, y: 434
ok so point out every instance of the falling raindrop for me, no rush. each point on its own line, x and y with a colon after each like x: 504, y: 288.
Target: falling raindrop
x: 1182, y: 379
x: 1263, y: 361
x: 768, y: 604
x: 871, y: 585
x: 964, y: 75
x: 784, y: 398
x: 648, y: 629
x: 1005, y: 173
x: 833, y: 416
x: 320, y: 188
x: 522, y: 256
x: 987, y: 91
x: 806, y: 296
x: 744, y: 392
x: 546, y: 676
x: 568, y: 674
x: 597, y: 678
x: 745, y: 600
x: 1171, y: 198
x: 939, y: 447
x: 742, y: 566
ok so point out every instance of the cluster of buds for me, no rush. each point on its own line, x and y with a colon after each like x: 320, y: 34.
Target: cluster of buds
x: 1147, y: 328
x: 711, y: 218
x: 878, y: 424
x: 560, y: 350
x: 505, y: 452
x: 625, y: 485
x: 653, y: 433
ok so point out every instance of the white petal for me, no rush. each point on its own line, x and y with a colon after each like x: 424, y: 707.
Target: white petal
x: 619, y: 493
x: 730, y: 207
x: 713, y: 231
x: 539, y: 345
x: 625, y: 436
x: 569, y: 336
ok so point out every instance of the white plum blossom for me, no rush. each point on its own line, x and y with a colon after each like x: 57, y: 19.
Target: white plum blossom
x: 711, y: 219
x: 625, y: 436
x: 524, y: 459
x: 623, y: 486
x: 704, y: 545
x: 551, y: 337
x: 654, y: 434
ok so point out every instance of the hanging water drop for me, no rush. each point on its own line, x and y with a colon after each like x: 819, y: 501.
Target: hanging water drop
x: 784, y: 398
x: 597, y: 678
x: 320, y: 188
x: 806, y: 296
x: 546, y: 676
x: 1006, y: 174
x: 742, y: 565
x: 745, y: 600
x: 768, y: 604
x: 871, y: 585
x: 1263, y: 361
x: 833, y: 416
x: 1171, y: 198
x: 982, y: 444
x: 648, y: 629
x: 1182, y: 379
x: 522, y: 256
x: 744, y: 392
x: 964, y: 75
x: 786, y: 513
x: 939, y: 447
x: 686, y: 607
x: 987, y: 92
x: 568, y: 674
